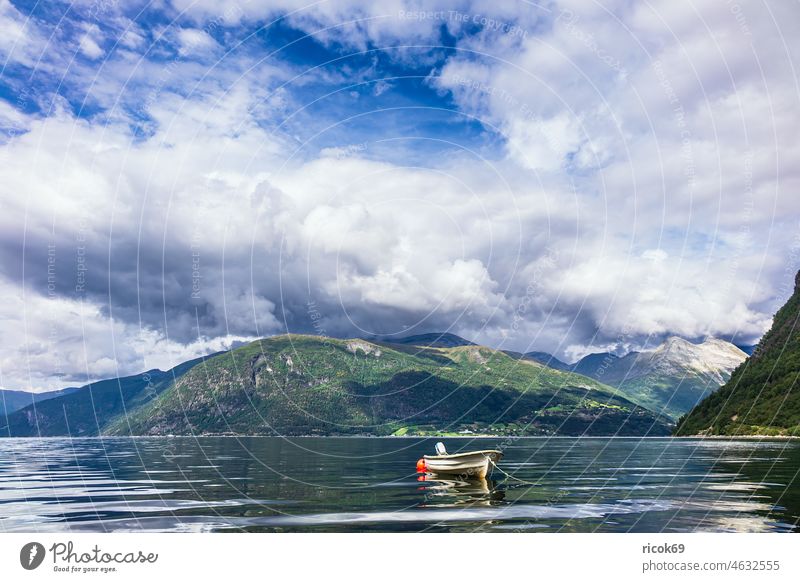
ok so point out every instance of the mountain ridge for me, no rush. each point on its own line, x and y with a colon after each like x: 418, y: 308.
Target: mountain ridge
x: 295, y: 384
x: 671, y: 378
x: 13, y: 400
x: 430, y: 340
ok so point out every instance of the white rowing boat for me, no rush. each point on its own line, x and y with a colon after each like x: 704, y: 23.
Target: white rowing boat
x: 473, y: 465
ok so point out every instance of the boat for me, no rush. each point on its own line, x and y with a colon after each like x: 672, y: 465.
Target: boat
x: 472, y: 465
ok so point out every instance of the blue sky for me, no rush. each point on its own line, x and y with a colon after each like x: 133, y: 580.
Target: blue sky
x: 179, y: 176
x: 330, y: 83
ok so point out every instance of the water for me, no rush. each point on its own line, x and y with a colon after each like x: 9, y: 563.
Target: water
x: 368, y: 484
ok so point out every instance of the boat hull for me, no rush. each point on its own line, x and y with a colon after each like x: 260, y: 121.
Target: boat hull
x: 474, y: 465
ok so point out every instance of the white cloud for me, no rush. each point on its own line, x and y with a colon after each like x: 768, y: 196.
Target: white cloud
x: 194, y: 42
x: 89, y: 43
x: 50, y: 342
x: 11, y: 118
x: 541, y: 144
x: 20, y: 40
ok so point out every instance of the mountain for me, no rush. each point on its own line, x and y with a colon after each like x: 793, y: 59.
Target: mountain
x: 297, y: 385
x: 432, y: 340
x: 85, y: 411
x: 548, y: 360
x: 672, y: 378
x: 449, y: 340
x: 610, y: 367
x: 762, y: 396
x: 11, y: 400
x: 314, y: 385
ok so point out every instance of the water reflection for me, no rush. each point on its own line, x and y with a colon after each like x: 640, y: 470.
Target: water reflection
x: 440, y: 492
x: 273, y: 484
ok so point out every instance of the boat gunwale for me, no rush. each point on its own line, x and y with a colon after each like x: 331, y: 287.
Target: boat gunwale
x: 485, y: 453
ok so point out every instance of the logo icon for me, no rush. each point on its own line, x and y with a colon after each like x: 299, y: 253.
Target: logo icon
x: 31, y: 555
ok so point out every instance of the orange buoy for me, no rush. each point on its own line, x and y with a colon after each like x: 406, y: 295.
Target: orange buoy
x: 421, y: 467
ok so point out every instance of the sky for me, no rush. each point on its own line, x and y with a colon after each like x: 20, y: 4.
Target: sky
x: 179, y: 177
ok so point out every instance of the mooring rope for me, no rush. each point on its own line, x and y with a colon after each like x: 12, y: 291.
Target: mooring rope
x: 510, y: 476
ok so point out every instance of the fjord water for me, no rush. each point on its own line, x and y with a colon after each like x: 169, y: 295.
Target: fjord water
x: 369, y: 484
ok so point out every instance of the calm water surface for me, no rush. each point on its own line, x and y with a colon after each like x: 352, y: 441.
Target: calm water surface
x: 368, y: 484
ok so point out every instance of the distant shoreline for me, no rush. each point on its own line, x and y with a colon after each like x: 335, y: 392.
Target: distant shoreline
x: 476, y: 436
x: 739, y: 437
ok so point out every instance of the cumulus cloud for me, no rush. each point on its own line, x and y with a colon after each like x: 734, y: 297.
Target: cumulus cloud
x: 49, y: 340
x: 670, y: 135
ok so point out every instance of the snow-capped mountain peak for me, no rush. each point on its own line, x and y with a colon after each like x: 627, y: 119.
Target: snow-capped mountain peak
x: 714, y: 358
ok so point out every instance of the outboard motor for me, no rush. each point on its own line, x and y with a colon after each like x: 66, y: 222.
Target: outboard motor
x: 440, y: 450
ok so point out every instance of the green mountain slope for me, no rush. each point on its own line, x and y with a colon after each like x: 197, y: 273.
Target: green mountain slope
x: 295, y: 385
x: 762, y: 397
x: 87, y: 410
